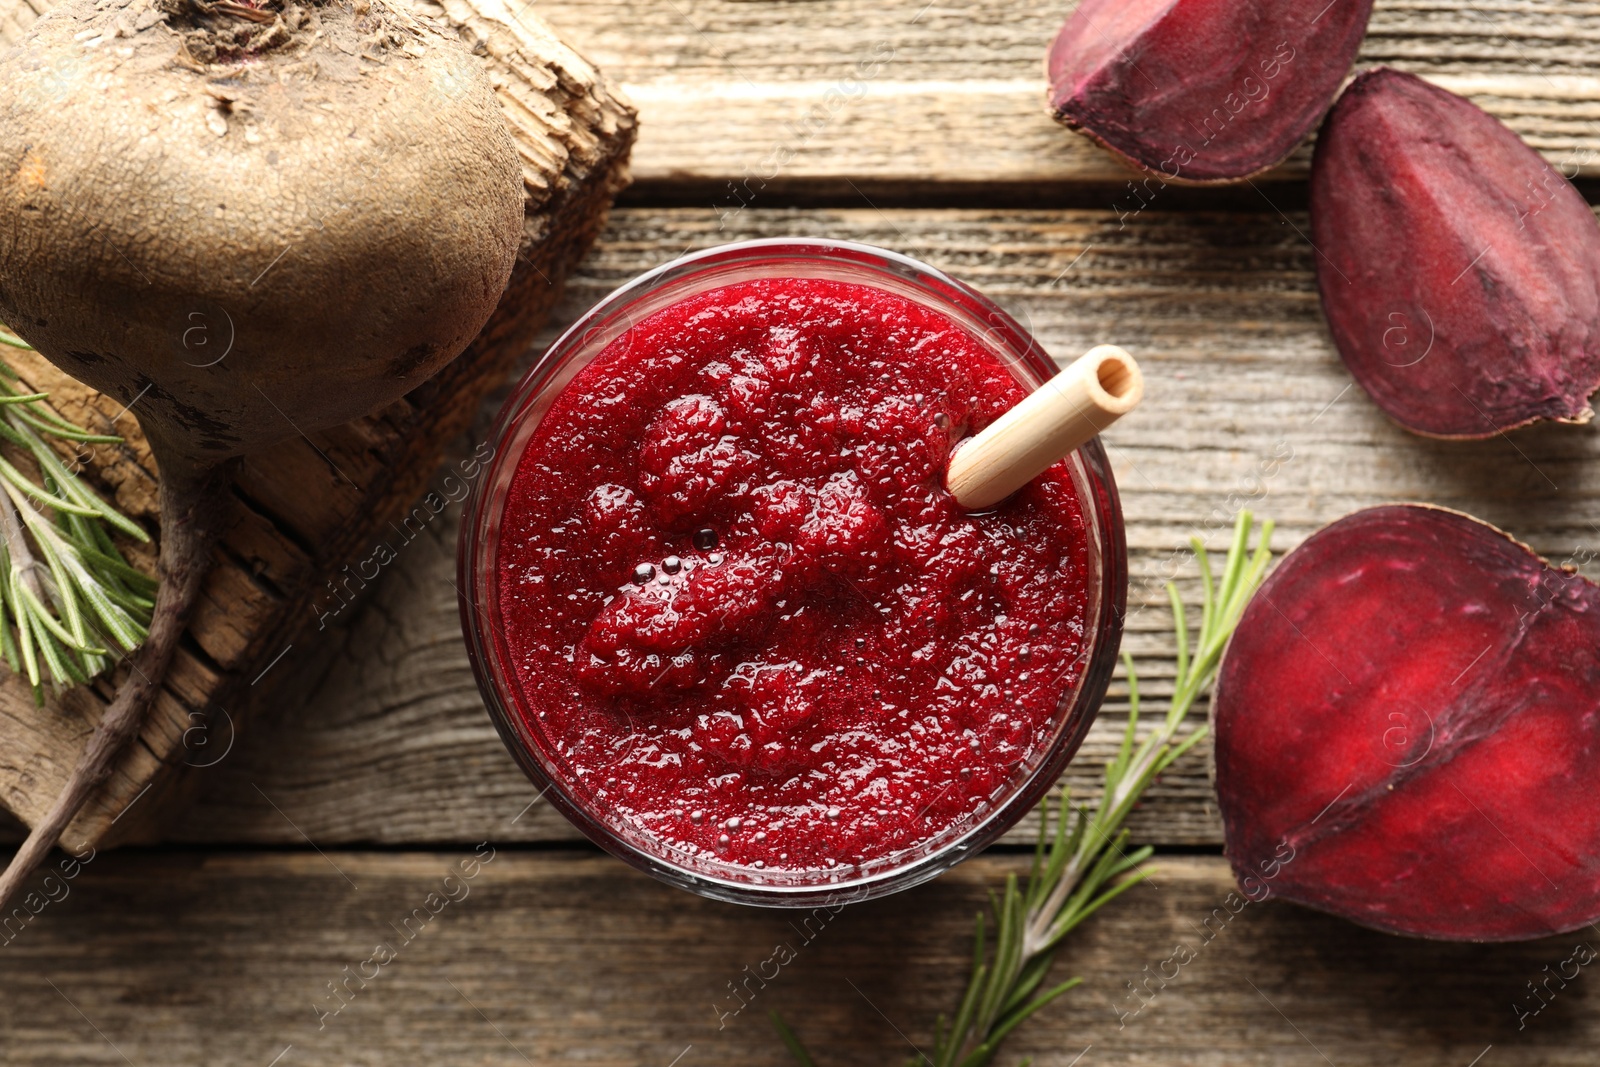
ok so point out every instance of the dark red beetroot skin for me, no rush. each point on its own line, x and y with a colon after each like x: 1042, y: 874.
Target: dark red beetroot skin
x: 1202, y: 90
x: 1459, y: 271
x: 1408, y: 731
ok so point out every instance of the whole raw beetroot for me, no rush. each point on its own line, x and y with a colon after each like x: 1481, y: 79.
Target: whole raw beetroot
x: 1408, y: 731
x: 335, y: 182
x: 1202, y: 90
x: 1459, y: 271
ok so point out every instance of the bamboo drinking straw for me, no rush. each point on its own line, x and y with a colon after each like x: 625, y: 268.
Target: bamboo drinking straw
x: 1063, y: 414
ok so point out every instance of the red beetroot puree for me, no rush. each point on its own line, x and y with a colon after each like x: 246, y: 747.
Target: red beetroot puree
x: 742, y: 611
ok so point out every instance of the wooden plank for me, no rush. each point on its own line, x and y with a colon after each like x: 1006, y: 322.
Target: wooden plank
x: 741, y: 102
x: 225, y: 959
x: 307, y: 507
x: 1247, y: 405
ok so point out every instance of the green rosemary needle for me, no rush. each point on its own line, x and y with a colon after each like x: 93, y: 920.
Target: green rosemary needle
x: 70, y: 603
x: 1080, y: 863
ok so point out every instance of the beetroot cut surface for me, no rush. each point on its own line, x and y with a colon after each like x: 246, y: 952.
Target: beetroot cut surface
x: 1459, y: 271
x: 1408, y: 731
x: 1202, y: 90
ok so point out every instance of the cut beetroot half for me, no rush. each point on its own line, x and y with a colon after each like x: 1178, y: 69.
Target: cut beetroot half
x: 1459, y: 271
x: 1408, y: 731
x: 1202, y: 90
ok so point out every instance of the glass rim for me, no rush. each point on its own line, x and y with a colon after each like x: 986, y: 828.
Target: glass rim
x: 476, y: 561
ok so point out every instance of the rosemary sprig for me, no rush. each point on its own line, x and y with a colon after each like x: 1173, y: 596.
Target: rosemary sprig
x: 70, y: 603
x: 1080, y: 863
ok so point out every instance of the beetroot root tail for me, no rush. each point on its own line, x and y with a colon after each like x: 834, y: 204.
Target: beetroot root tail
x: 192, y: 512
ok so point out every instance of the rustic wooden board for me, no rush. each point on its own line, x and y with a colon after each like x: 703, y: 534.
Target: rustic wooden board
x: 853, y: 97
x: 1247, y: 405
x: 310, y: 506
x: 226, y: 959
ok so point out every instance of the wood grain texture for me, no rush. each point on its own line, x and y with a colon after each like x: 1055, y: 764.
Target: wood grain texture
x: 305, y: 509
x: 745, y: 101
x: 1247, y: 405
x: 225, y: 959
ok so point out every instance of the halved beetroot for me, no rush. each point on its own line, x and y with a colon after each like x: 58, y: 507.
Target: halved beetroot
x: 1408, y: 731
x: 1459, y: 271
x: 1202, y: 90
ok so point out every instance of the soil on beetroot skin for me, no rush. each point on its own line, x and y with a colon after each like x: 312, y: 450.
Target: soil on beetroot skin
x: 743, y: 613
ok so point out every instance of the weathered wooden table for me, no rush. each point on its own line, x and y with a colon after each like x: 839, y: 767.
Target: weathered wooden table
x: 249, y: 937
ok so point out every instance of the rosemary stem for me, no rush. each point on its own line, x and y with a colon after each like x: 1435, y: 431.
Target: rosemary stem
x: 1076, y: 872
x: 23, y: 563
x: 65, y: 587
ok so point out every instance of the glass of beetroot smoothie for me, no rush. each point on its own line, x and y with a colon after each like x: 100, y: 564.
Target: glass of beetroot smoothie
x: 722, y: 609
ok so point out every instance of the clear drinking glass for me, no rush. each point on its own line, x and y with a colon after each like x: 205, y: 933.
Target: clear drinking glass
x: 585, y: 339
